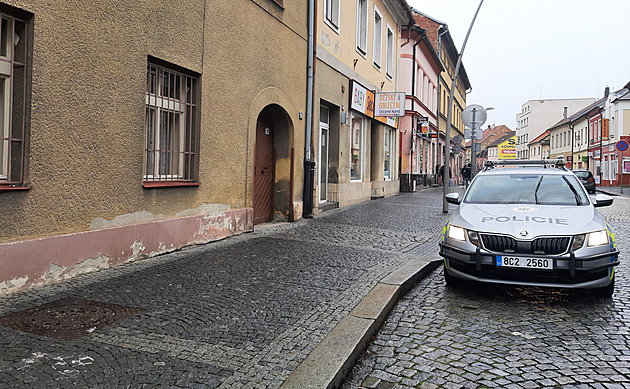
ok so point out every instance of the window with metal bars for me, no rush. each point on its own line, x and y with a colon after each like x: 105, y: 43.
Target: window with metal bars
x: 171, y: 127
x: 13, y: 83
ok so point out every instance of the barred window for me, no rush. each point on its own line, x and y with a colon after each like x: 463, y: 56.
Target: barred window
x: 13, y: 82
x: 171, y: 126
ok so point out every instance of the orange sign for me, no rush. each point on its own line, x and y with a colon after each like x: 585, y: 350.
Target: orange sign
x: 604, y: 128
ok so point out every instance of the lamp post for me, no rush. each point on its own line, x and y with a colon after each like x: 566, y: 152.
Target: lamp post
x: 447, y: 154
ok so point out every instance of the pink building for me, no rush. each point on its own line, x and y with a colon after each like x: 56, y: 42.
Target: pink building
x: 420, y: 67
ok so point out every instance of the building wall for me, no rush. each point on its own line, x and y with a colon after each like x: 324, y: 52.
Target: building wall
x: 537, y: 116
x: 339, y: 65
x: 422, y: 102
x: 86, y: 137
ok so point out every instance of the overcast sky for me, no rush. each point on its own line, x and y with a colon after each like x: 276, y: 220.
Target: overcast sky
x: 521, y: 50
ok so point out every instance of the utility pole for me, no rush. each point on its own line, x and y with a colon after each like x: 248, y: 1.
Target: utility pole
x: 447, y: 153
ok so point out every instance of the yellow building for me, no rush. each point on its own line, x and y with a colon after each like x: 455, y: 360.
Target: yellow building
x: 358, y: 45
x: 139, y: 129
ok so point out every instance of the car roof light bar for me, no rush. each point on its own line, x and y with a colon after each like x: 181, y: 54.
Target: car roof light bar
x: 558, y: 163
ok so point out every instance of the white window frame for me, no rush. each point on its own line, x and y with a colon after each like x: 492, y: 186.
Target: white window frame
x: 389, y: 61
x: 377, y: 48
x: 168, y: 148
x: 331, y: 14
x: 361, y: 145
x: 362, y: 27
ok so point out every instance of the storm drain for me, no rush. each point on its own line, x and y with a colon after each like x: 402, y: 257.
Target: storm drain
x: 68, y: 318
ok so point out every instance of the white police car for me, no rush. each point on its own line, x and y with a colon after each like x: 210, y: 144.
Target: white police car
x: 531, y: 224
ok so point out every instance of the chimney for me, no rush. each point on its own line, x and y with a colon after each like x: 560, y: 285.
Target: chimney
x: 606, y: 92
x: 566, y: 111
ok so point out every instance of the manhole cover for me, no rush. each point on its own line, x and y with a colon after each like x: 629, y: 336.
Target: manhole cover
x: 68, y: 318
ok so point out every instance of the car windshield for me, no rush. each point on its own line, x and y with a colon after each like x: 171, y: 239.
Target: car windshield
x: 541, y: 189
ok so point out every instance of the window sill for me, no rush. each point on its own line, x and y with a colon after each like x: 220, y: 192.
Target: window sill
x: 167, y: 184
x: 4, y: 187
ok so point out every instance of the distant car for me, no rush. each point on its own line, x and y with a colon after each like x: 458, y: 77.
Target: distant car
x: 587, y: 179
x: 530, y: 225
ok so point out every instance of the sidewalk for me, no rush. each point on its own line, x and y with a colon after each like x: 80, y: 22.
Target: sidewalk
x: 289, y: 305
x: 614, y: 190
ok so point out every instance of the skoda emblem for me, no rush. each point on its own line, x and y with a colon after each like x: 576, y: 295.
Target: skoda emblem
x: 524, y: 233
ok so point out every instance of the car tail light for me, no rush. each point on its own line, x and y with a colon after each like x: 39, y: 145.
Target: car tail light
x: 591, y: 179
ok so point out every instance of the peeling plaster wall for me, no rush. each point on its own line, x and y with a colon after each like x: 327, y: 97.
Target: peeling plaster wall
x: 87, y: 208
x: 41, y: 261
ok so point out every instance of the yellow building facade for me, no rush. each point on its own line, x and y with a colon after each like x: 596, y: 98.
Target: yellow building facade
x: 357, y: 45
x: 143, y: 128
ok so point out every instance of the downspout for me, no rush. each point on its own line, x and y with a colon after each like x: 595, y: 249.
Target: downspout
x: 309, y: 164
x: 437, y: 120
x: 572, y: 127
x: 413, y: 108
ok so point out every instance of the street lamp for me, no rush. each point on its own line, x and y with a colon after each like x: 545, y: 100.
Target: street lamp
x: 447, y: 154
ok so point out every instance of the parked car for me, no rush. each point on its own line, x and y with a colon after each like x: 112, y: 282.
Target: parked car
x: 587, y: 179
x: 530, y: 224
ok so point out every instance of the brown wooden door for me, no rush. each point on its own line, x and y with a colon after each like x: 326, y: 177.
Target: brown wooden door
x: 264, y: 169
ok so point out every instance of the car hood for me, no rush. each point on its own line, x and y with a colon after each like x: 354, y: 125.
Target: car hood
x: 529, y: 221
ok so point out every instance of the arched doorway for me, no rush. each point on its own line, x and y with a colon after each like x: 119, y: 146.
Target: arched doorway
x: 264, y: 171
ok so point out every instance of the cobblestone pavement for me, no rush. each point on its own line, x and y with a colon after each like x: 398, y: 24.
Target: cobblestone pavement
x: 481, y: 336
x: 242, y: 312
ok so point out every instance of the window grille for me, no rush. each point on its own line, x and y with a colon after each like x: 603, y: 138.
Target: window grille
x: 13, y: 83
x: 171, y: 126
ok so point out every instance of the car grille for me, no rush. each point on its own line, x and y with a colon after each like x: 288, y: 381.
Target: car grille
x: 507, y: 244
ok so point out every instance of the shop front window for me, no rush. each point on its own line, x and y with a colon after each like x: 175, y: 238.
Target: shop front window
x: 387, y: 166
x: 356, y: 147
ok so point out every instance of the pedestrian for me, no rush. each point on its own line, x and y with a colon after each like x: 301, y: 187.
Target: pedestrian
x: 466, y: 170
x: 441, y: 175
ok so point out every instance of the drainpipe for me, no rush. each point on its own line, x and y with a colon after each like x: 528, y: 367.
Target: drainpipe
x: 309, y: 164
x: 437, y: 121
x: 413, y: 106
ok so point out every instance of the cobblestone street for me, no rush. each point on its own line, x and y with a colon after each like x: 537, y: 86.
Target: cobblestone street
x: 242, y: 312
x: 477, y: 336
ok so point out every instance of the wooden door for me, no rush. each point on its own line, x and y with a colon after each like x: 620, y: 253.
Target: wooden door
x: 264, y: 168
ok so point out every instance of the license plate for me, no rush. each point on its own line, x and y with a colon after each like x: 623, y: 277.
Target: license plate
x: 524, y: 262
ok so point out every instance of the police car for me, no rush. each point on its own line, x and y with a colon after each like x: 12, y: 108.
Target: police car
x: 530, y: 223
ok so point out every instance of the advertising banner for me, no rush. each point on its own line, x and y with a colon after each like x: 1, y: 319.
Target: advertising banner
x: 507, y: 149
x: 361, y: 99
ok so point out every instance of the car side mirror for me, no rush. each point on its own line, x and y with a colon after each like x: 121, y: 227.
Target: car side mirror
x: 452, y: 198
x: 602, y: 200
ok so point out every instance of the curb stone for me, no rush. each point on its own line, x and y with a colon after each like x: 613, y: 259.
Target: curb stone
x: 328, y: 364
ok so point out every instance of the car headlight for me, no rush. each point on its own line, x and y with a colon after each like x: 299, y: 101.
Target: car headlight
x: 457, y: 233
x: 597, y: 238
x: 578, y: 242
x: 473, y: 237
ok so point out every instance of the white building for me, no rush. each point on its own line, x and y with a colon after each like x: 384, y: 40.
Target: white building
x: 537, y: 116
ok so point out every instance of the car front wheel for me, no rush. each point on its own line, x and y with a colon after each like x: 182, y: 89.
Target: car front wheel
x: 606, y: 291
x: 450, y: 280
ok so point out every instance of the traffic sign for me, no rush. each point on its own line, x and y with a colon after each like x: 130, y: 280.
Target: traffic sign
x: 622, y: 145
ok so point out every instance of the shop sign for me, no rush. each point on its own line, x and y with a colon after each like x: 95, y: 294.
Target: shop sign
x: 361, y: 99
x: 507, y: 149
x: 391, y: 121
x: 605, y: 128
x: 390, y: 104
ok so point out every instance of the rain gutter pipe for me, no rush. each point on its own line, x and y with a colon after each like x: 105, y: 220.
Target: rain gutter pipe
x: 309, y: 164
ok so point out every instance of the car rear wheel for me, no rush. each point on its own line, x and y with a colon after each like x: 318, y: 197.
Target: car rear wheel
x: 606, y: 291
